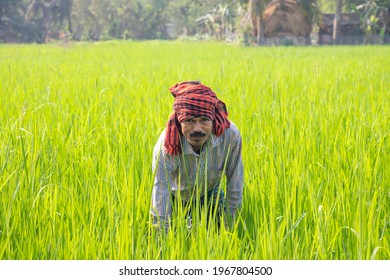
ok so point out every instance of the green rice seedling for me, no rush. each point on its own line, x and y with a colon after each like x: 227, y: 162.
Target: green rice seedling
x: 78, y: 124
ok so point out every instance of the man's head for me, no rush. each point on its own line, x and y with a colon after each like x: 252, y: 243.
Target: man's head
x: 197, y: 113
x: 196, y: 130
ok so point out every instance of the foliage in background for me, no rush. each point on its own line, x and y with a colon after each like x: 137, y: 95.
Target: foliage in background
x: 37, y: 20
x: 32, y: 21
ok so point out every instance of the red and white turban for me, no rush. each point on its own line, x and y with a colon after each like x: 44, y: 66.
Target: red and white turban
x: 193, y: 99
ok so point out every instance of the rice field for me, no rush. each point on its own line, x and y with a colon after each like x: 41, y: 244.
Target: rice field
x: 78, y: 124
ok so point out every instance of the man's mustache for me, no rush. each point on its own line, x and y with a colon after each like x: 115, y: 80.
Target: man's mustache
x: 197, y: 134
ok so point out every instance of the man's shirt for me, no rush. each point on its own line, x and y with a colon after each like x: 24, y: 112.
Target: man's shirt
x: 189, y: 171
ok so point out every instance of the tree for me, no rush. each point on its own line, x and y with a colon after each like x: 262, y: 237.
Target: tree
x: 218, y: 22
x: 256, y: 9
x: 7, y: 8
x: 12, y: 26
x: 190, y: 16
x: 336, y: 22
x: 376, y: 15
x: 42, y: 16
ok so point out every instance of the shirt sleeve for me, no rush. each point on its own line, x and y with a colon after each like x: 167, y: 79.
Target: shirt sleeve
x: 234, y: 175
x: 163, y: 167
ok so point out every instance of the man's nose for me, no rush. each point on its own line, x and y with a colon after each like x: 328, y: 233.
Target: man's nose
x: 197, y: 127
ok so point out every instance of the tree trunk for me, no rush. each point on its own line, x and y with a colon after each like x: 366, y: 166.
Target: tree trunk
x: 252, y: 12
x: 336, y: 22
x: 260, y: 37
x: 256, y: 11
x: 42, y: 24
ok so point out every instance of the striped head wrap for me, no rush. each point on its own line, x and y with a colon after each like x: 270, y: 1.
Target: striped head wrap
x: 193, y: 99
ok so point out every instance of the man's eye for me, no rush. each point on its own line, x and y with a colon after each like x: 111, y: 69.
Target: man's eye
x: 189, y: 120
x: 205, y: 120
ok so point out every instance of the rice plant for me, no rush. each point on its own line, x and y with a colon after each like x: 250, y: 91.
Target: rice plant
x: 78, y: 124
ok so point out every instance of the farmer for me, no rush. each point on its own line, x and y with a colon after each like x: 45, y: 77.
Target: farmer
x: 198, y: 146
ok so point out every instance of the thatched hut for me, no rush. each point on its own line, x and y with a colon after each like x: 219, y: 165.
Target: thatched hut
x: 286, y: 20
x: 350, y: 30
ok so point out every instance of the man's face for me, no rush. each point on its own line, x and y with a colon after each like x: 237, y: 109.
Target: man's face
x: 197, y: 130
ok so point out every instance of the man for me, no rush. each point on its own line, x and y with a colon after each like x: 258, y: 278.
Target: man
x: 198, y: 146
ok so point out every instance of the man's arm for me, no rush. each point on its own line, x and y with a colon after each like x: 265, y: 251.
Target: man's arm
x: 234, y: 174
x: 162, y: 167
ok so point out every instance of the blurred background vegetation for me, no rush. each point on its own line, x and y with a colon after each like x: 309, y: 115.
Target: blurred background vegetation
x: 26, y: 21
